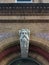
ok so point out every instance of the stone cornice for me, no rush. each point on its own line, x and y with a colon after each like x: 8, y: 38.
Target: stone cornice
x: 24, y: 9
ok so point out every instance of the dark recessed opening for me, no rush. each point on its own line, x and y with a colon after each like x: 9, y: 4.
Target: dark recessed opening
x: 24, y: 61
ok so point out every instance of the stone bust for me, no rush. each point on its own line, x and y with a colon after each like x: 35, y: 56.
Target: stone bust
x: 24, y: 41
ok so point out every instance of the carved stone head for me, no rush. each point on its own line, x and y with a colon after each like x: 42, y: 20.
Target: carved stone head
x: 24, y: 41
x: 24, y: 34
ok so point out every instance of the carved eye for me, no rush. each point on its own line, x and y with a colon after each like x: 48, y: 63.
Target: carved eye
x: 22, y: 32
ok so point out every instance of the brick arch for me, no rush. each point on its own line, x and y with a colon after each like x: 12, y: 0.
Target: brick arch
x: 34, y: 46
x: 16, y: 49
x: 44, y: 44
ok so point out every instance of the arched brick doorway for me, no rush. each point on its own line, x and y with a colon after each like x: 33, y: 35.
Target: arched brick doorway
x: 35, y: 52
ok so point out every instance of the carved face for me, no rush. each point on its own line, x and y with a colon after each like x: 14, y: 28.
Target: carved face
x: 24, y: 42
x: 24, y: 34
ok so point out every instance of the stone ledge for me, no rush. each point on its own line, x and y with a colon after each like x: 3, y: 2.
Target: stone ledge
x: 24, y: 17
